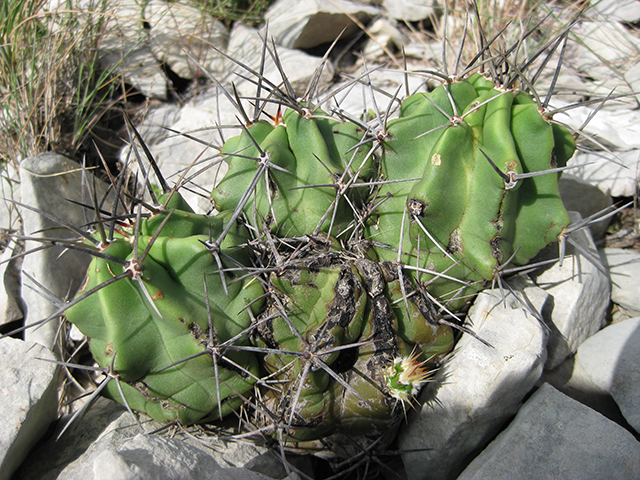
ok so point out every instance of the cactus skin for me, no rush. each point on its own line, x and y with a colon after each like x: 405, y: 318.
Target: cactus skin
x: 460, y: 222
x: 348, y: 332
x: 331, y: 301
x: 304, y: 152
x: 460, y: 200
x: 122, y: 324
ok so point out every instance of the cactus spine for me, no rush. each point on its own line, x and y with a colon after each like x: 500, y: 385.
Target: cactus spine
x: 319, y: 285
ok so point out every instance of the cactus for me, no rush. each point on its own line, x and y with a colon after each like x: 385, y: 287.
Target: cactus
x: 474, y: 145
x: 151, y: 327
x: 315, y: 294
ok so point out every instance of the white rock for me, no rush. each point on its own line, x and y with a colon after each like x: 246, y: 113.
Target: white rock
x: 152, y: 124
x: 48, y: 182
x: 151, y: 457
x: 356, y: 98
x: 138, y: 67
x: 246, y: 46
x: 617, y: 176
x: 556, y: 438
x: 611, y: 360
x: 179, y: 31
x: 583, y: 197
x: 410, y: 10
x: 632, y: 76
x: 309, y: 23
x: 10, y: 300
x: 107, y: 444
x: 124, y: 47
x: 581, y: 295
x: 481, y: 386
x: 28, y: 389
x: 606, y: 45
x: 620, y: 10
x: 624, y: 269
x: 384, y: 37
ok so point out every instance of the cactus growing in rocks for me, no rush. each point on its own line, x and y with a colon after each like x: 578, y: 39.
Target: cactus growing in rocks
x: 319, y: 295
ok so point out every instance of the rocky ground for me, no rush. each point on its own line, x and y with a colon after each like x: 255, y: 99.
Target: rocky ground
x: 556, y: 395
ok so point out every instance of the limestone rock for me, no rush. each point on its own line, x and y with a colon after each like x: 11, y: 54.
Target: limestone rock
x: 150, y: 457
x: 410, y: 10
x: 581, y: 196
x: 11, y: 307
x: 107, y: 444
x: 481, y: 386
x: 28, y: 389
x: 246, y: 46
x: 51, y: 182
x: 617, y: 174
x: 620, y: 10
x: 309, y: 23
x: 624, y: 269
x: 581, y: 294
x: 179, y: 31
x: 555, y: 437
x: 611, y: 360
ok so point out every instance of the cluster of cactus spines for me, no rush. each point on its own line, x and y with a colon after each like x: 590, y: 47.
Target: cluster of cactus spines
x: 320, y: 293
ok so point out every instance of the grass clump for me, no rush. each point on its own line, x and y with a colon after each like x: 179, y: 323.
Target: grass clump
x: 53, y: 93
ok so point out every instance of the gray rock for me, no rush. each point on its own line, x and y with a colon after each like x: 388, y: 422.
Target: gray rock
x: 246, y: 46
x: 51, y: 183
x: 71, y: 456
x: 410, y: 10
x: 611, y: 359
x: 581, y: 294
x: 28, y: 389
x: 624, y: 269
x: 583, y: 197
x: 150, y: 457
x: 384, y: 37
x: 569, y: 378
x: 620, y: 10
x: 10, y: 224
x: 137, y: 66
x: 192, y: 152
x: 309, y: 23
x: 179, y: 31
x: 632, y: 76
x: 124, y: 48
x: 603, y: 50
x: 625, y: 389
x: 108, y: 444
x: 555, y: 437
x: 617, y: 174
x: 481, y: 386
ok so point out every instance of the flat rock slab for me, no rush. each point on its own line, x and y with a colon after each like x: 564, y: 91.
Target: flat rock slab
x: 108, y: 444
x: 481, y: 386
x: 581, y: 294
x: 151, y: 457
x: 28, y: 390
x: 624, y: 269
x: 555, y: 437
x: 611, y: 360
